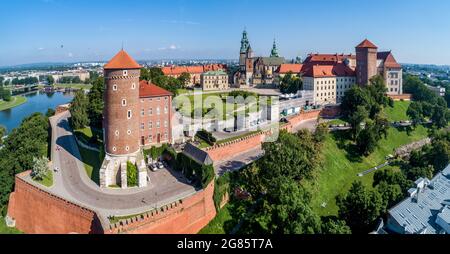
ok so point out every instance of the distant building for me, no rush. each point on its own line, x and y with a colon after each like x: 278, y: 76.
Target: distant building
x: 438, y: 90
x: 425, y: 211
x: 194, y: 71
x: 214, y: 80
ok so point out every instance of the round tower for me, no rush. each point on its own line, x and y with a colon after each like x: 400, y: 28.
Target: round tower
x: 121, y: 111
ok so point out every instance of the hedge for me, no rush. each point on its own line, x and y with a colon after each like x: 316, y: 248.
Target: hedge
x: 131, y: 174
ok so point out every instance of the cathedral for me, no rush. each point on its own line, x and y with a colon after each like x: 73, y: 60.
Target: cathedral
x: 253, y: 70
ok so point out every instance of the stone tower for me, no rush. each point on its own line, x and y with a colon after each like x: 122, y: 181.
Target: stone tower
x: 366, y: 62
x: 243, y: 52
x: 121, y: 111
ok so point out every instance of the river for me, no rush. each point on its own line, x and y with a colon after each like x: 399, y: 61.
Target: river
x: 36, y: 102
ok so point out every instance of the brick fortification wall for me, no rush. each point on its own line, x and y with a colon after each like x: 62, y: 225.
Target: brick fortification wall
x: 225, y: 151
x: 187, y: 216
x: 397, y: 97
x: 39, y: 212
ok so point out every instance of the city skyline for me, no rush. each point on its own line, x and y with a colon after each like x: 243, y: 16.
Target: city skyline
x: 87, y: 31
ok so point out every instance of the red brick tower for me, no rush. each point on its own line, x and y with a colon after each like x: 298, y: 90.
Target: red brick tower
x: 366, y: 62
x: 121, y: 112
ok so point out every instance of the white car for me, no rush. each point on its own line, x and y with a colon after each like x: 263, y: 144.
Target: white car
x: 153, y: 167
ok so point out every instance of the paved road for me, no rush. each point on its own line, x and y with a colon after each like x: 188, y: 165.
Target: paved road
x: 71, y: 181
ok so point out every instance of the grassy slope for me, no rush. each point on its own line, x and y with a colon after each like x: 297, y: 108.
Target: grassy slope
x: 340, y: 170
x: 91, y: 159
x: 398, y: 112
x: 16, y: 101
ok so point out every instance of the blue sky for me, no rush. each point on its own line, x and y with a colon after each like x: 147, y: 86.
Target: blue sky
x: 417, y: 31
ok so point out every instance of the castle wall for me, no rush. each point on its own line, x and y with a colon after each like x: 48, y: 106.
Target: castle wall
x: 37, y: 211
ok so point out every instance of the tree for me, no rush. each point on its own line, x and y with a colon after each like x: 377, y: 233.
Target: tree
x: 356, y: 119
x: 96, y: 103
x: 184, y: 79
x: 290, y: 83
x: 24, y: 143
x: 78, y: 111
x: 145, y: 74
x: 390, y: 193
x: 284, y: 210
x: 297, y: 152
x: 440, y: 116
x: 391, y: 177
x: 2, y: 133
x: 40, y: 168
x: 50, y: 80
x: 50, y: 112
x: 320, y: 133
x: 367, y: 139
x: 335, y: 226
x: 360, y: 207
x: 415, y: 113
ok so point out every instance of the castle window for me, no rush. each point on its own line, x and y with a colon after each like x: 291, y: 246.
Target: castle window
x: 150, y: 111
x: 125, y: 73
x: 127, y: 148
x: 124, y: 102
x: 150, y: 138
x: 158, y: 111
x: 150, y: 125
x: 142, y: 112
x: 129, y: 132
x: 165, y: 124
x: 114, y: 149
x: 129, y: 114
x: 133, y: 86
x: 166, y: 109
x: 117, y: 133
x: 157, y: 124
x: 142, y: 126
x: 114, y: 87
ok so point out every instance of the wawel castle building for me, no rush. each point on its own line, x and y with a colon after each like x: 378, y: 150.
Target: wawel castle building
x: 329, y: 76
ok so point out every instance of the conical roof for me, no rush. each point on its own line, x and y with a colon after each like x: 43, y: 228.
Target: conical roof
x: 122, y: 61
x: 366, y: 44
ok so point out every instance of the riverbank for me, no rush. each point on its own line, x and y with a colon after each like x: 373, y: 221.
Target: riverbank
x: 74, y: 86
x: 16, y: 101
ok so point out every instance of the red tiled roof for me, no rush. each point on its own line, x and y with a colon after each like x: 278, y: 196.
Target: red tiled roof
x: 327, y: 58
x: 122, y: 61
x: 389, y: 60
x: 294, y: 68
x: 321, y: 71
x: 196, y: 69
x: 366, y: 44
x: 147, y: 89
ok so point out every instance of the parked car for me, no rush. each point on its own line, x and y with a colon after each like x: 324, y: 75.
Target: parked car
x: 154, y: 167
x: 159, y: 165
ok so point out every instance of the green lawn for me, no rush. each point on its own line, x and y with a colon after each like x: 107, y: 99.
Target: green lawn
x: 340, y: 167
x: 47, y: 180
x: 5, y: 230
x: 398, y: 112
x: 217, y: 225
x: 15, y: 101
x: 74, y: 86
x: 92, y: 163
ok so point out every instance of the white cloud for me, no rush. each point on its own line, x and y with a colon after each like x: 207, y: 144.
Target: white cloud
x: 70, y: 54
x: 40, y: 49
x: 171, y: 47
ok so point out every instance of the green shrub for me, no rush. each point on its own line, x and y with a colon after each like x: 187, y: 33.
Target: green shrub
x: 132, y: 174
x: 206, y: 136
x: 221, y: 187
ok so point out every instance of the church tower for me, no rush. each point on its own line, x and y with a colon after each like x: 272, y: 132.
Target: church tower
x: 243, y: 52
x: 366, y: 62
x: 274, y: 52
x: 121, y: 111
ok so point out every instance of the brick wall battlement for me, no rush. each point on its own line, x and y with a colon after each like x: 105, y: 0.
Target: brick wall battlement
x: 50, y: 213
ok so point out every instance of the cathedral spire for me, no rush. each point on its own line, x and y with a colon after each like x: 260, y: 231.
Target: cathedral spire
x: 274, y: 52
x: 244, y: 42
